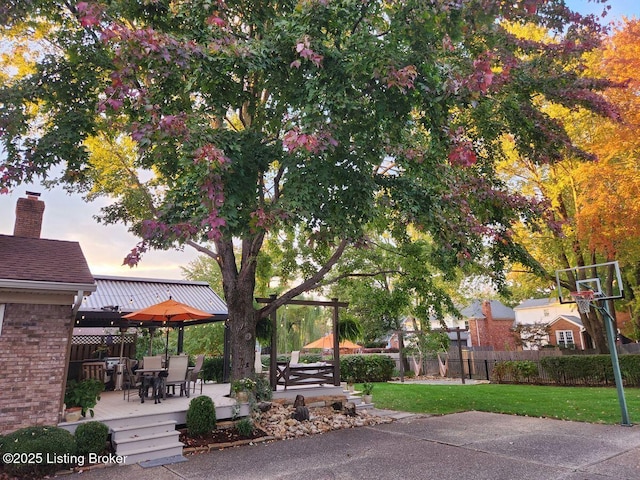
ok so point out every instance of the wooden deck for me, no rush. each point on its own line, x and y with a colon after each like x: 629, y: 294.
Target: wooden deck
x: 116, y: 412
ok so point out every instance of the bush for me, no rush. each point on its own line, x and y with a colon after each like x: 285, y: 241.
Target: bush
x: 91, y: 437
x: 213, y: 369
x: 43, y: 443
x: 245, y: 427
x: 515, y: 371
x: 367, y: 368
x: 263, y: 390
x: 590, y: 369
x: 201, y: 416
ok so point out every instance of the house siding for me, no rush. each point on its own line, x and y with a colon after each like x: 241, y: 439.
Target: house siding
x: 34, y: 346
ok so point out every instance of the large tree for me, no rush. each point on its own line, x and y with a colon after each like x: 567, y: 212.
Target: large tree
x: 213, y: 123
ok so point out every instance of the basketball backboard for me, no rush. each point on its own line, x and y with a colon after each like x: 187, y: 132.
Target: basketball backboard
x: 603, y: 279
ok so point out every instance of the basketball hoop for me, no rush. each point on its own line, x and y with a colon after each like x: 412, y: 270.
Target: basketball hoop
x: 583, y: 300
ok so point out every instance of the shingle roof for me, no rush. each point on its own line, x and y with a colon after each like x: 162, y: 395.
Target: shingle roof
x: 116, y: 296
x: 498, y: 310
x: 536, y: 303
x: 42, y: 260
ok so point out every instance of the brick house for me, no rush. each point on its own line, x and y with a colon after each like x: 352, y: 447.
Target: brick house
x: 490, y: 324
x: 567, y: 331
x: 42, y: 284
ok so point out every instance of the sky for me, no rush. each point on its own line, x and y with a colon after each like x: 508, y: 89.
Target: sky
x: 68, y: 217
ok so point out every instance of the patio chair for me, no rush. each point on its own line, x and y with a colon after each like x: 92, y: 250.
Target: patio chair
x: 152, y: 363
x: 195, y: 373
x: 130, y: 379
x: 295, y: 357
x: 177, y: 373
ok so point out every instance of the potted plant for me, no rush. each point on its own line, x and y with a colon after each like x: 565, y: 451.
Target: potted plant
x: 82, y: 396
x: 241, y: 388
x: 367, y: 389
x: 350, y: 382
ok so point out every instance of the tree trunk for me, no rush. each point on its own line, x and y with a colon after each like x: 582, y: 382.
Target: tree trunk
x: 239, y: 287
x: 594, y: 326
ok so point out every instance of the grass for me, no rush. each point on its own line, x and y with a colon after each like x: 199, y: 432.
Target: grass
x: 583, y: 404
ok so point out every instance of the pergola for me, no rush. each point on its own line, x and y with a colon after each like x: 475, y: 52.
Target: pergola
x: 334, y: 303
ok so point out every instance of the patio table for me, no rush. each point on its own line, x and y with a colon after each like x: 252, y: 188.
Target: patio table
x: 151, y: 373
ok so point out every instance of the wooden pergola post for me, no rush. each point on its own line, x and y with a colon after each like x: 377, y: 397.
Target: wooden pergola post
x: 336, y: 344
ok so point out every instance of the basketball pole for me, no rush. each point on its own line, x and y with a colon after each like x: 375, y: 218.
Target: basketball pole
x: 608, y: 321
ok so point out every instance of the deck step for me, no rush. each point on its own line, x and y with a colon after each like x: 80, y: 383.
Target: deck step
x: 153, y: 453
x: 150, y: 441
x: 124, y: 446
x: 123, y: 433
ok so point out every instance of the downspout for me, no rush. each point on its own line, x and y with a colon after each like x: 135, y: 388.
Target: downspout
x: 78, y: 302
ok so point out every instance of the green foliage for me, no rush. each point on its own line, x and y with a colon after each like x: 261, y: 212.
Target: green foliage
x: 201, y: 416
x: 243, y: 385
x: 205, y: 339
x: 91, y: 437
x: 84, y: 394
x: 245, y: 426
x: 349, y: 328
x: 367, y: 368
x: 367, y: 388
x: 263, y: 392
x: 515, y: 371
x: 213, y: 369
x: 590, y: 369
x: 43, y: 442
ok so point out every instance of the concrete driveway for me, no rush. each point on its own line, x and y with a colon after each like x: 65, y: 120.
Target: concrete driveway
x: 471, y: 445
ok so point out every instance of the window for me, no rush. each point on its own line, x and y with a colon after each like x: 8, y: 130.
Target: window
x: 565, y: 338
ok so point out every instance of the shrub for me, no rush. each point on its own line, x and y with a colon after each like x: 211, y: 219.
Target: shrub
x: 263, y: 390
x: 201, y: 416
x: 367, y: 368
x: 515, y: 371
x: 43, y: 443
x: 91, y: 437
x: 212, y: 369
x: 245, y: 427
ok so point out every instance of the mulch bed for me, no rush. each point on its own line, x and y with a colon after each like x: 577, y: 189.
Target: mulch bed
x: 219, y: 437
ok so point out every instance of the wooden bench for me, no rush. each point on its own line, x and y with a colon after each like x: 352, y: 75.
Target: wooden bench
x: 288, y: 374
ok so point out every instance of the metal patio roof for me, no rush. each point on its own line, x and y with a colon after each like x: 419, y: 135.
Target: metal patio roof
x: 117, y: 296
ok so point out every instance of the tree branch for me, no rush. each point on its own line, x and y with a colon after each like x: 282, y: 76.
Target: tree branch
x: 308, y: 284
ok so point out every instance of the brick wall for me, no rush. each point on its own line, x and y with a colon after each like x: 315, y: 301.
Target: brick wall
x: 492, y: 332
x: 563, y: 324
x: 33, y: 361
x: 29, y: 213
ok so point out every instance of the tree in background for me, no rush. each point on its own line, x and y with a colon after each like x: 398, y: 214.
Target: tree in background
x: 593, y: 205
x: 213, y: 124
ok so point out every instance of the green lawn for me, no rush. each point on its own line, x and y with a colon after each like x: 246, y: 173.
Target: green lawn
x: 594, y: 405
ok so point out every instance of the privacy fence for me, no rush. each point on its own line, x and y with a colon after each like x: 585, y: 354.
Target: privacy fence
x: 543, y: 367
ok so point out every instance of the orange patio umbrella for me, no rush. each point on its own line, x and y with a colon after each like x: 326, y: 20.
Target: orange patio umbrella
x: 326, y: 343
x: 168, y: 311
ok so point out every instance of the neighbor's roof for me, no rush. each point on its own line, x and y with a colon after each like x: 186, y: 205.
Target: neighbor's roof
x: 569, y: 318
x: 537, y: 303
x: 499, y: 311
x: 117, y: 296
x: 29, y: 260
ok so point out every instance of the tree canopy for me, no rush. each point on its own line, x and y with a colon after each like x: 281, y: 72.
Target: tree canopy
x: 213, y: 123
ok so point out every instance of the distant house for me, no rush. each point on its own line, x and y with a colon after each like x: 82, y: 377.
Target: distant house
x: 42, y: 284
x: 491, y: 324
x: 567, y: 331
x: 564, y: 327
x: 542, y: 310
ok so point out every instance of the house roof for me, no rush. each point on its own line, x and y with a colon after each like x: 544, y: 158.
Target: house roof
x: 569, y: 318
x: 498, y: 310
x: 537, y: 303
x: 117, y: 296
x: 29, y: 261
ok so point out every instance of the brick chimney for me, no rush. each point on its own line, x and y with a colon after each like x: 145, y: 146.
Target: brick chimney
x: 29, y: 216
